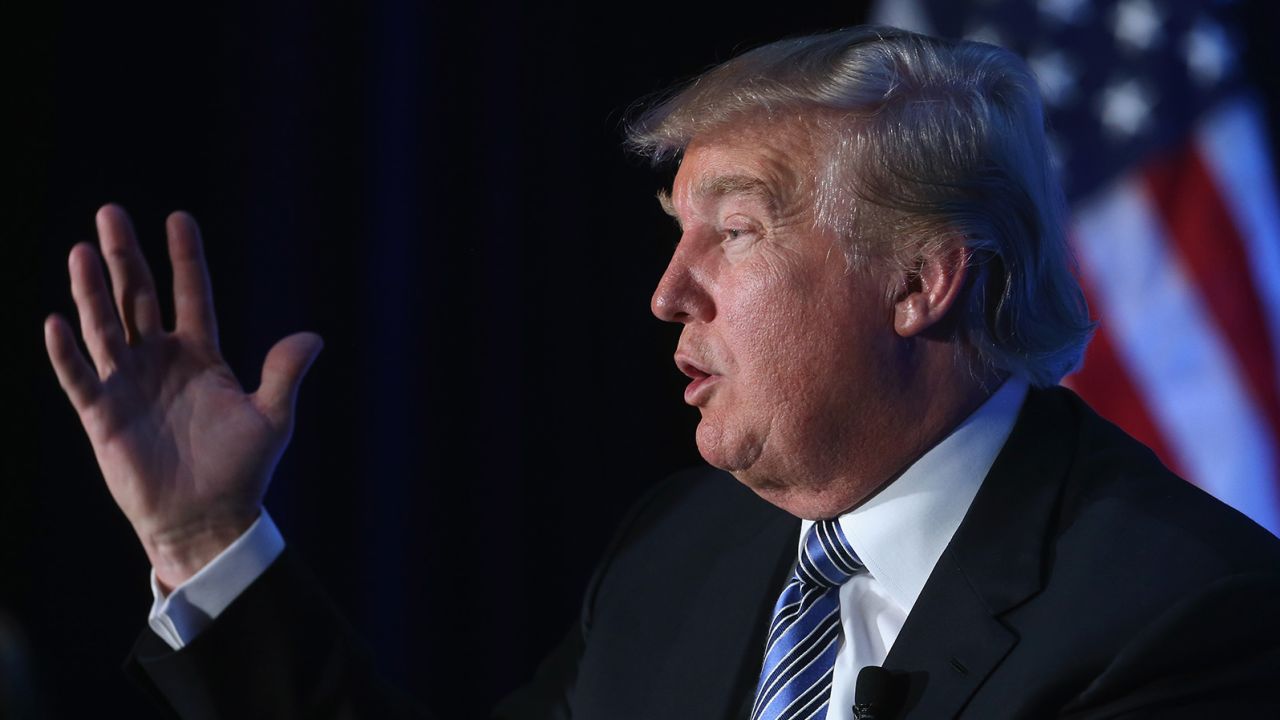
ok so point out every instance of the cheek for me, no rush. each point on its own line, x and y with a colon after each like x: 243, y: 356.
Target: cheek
x: 779, y: 349
x: 805, y: 346
x: 780, y: 319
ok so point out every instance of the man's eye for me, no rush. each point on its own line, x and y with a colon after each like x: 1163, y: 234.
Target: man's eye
x: 734, y: 233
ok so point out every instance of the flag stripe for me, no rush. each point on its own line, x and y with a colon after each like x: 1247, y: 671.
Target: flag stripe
x: 1106, y: 381
x: 1179, y: 362
x: 1205, y: 237
x: 1235, y: 150
x: 1207, y: 323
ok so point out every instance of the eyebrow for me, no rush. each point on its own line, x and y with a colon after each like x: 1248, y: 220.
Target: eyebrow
x: 722, y: 185
x: 668, y: 207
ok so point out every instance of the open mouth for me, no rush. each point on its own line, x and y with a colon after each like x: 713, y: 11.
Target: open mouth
x: 702, y: 379
x: 691, y: 369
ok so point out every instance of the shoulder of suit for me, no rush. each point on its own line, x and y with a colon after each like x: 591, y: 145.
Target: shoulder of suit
x: 696, y: 503
x: 1120, y: 493
x: 678, y: 530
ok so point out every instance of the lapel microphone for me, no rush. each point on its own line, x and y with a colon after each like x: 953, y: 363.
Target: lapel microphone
x: 873, y: 695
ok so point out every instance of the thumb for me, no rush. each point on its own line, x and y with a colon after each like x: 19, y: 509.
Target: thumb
x: 282, y: 372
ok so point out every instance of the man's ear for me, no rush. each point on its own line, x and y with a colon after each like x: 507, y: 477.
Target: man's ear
x: 929, y: 290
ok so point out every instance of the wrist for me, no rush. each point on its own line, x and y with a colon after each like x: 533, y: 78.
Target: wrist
x: 177, y: 553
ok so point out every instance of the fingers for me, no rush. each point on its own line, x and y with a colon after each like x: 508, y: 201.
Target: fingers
x: 98, y: 323
x: 135, y: 292
x: 282, y: 372
x: 75, y: 375
x: 192, y: 292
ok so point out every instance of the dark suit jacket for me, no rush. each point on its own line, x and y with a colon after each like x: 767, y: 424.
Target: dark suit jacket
x: 1085, y: 581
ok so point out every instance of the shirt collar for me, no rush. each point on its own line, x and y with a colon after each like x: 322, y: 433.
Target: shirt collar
x: 900, y: 533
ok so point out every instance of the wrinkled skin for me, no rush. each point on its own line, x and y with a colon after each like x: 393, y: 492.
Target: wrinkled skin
x: 816, y: 382
x: 186, y: 452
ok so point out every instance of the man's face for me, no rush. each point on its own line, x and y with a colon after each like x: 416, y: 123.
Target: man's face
x: 791, y: 354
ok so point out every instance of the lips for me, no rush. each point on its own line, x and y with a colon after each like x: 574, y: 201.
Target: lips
x: 702, y: 376
x: 691, y: 368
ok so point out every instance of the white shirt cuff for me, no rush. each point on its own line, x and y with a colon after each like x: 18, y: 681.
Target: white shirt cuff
x: 196, y: 603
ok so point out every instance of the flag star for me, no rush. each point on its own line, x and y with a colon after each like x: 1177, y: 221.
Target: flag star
x: 1065, y: 11
x: 984, y: 33
x: 1208, y: 52
x: 1125, y: 108
x: 1057, y: 76
x: 1137, y: 24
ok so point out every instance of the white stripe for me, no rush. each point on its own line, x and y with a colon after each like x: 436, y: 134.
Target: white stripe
x: 797, y: 642
x: 814, y: 572
x: 1177, y: 358
x: 1234, y: 146
x: 787, y: 616
x: 818, y: 643
x: 818, y: 693
x: 784, y: 612
x: 782, y: 671
x: 821, y: 710
x: 836, y: 550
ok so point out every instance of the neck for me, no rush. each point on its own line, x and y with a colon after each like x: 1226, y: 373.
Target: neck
x: 929, y: 405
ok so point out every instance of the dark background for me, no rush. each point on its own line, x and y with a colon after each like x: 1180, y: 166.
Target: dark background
x: 440, y: 192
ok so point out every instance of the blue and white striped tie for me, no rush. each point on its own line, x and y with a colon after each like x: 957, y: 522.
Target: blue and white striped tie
x: 800, y: 653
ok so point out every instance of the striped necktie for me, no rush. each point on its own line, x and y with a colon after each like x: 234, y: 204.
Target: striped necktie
x: 800, y: 653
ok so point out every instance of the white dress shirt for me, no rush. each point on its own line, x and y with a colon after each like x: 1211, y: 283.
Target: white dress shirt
x: 189, y: 609
x: 899, y: 535
x: 901, y: 532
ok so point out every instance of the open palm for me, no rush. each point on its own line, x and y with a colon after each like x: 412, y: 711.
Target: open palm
x: 186, y: 453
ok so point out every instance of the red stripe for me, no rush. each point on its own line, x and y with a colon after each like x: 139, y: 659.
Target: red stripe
x: 1205, y: 236
x: 1104, y: 382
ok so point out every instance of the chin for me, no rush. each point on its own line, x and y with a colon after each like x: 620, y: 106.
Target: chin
x: 728, y: 449
x: 771, y: 481
x: 736, y: 454
x: 793, y: 500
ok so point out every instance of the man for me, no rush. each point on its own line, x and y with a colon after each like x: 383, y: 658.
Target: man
x: 876, y: 299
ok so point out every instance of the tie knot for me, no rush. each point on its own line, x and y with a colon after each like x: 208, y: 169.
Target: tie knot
x: 827, y: 558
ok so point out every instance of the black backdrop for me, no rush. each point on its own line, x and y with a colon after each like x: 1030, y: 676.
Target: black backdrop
x: 440, y: 192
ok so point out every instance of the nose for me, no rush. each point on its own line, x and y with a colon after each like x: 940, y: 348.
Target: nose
x: 682, y: 295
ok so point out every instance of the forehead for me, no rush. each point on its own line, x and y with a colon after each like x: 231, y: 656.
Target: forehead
x: 771, y: 160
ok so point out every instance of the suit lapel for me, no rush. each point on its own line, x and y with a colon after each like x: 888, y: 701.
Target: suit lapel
x: 949, y: 645
x: 953, y: 638
x: 727, y: 619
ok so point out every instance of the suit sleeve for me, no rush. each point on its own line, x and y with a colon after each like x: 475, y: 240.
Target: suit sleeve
x: 282, y: 650
x: 279, y: 650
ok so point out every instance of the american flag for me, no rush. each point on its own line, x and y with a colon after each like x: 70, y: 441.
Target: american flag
x: 1164, y: 156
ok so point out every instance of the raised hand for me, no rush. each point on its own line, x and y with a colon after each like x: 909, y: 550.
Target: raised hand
x: 187, y: 454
